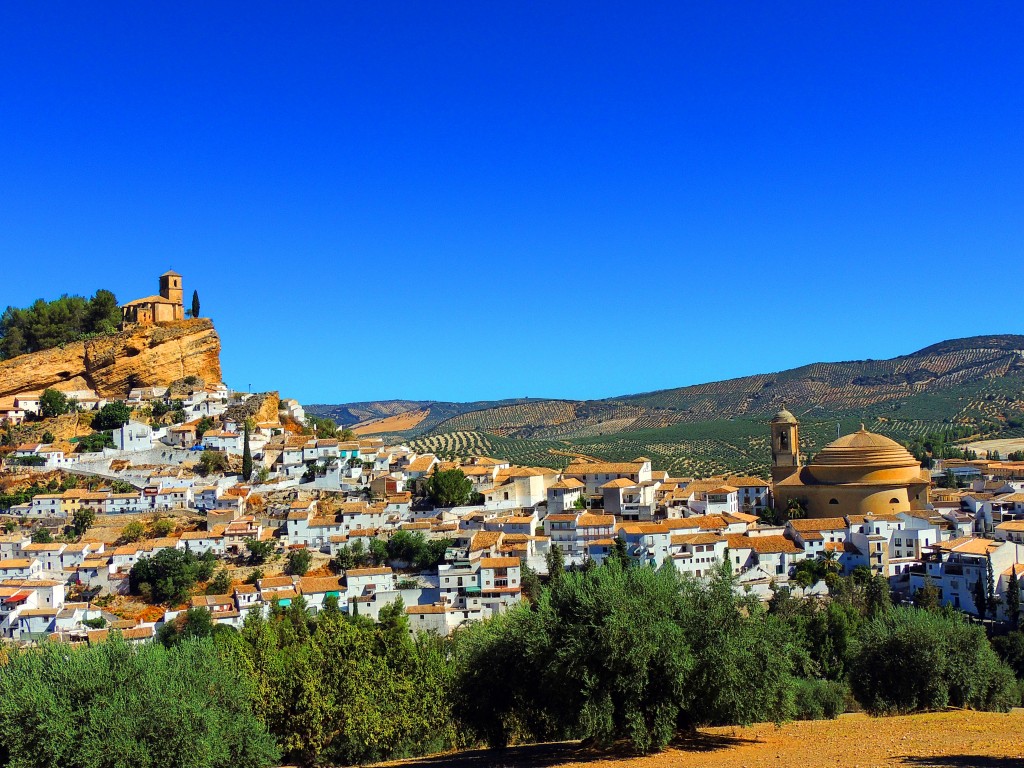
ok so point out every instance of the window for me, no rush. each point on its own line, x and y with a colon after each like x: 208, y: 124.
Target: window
x: 894, y: 500
x: 833, y: 501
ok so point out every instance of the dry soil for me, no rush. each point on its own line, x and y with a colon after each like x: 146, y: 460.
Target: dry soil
x: 938, y: 740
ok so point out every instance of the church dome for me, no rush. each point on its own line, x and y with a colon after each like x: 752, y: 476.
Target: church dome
x: 864, y: 457
x: 784, y: 417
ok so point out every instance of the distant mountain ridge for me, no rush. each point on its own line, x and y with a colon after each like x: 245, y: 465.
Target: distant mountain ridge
x: 962, y: 386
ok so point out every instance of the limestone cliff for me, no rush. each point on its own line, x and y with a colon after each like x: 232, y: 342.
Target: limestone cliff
x: 141, y: 356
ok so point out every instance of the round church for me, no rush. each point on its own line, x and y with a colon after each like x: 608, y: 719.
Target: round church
x: 855, y: 475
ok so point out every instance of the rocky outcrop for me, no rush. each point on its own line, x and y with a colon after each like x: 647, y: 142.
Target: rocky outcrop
x: 261, y: 407
x: 141, y: 356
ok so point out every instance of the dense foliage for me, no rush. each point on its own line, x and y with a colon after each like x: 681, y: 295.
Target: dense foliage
x: 112, y: 416
x: 170, y: 575
x: 341, y: 690
x: 96, y: 442
x: 910, y: 660
x: 449, y: 488
x: 213, y: 462
x: 632, y: 653
x: 48, y: 324
x: 54, y: 403
x: 116, y: 705
x: 611, y: 653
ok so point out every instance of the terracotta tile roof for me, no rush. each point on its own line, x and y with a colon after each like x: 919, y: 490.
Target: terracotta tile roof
x: 819, y: 524
x: 317, y: 584
x: 568, y: 484
x: 689, y: 539
x: 426, y: 609
x: 603, y: 468
x: 589, y: 520
x: 499, y: 562
x: 635, y: 529
x: 562, y: 518
x: 382, y: 571
x: 484, y: 540
x: 763, y: 545
x: 745, y: 481
x: 271, y: 582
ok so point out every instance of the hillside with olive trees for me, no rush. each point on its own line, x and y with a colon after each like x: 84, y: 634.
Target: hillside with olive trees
x: 961, y: 389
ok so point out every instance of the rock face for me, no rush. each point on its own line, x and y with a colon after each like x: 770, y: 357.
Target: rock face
x: 141, y: 356
x: 262, y: 407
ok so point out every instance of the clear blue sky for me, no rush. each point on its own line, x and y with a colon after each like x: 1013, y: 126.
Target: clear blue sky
x: 482, y: 200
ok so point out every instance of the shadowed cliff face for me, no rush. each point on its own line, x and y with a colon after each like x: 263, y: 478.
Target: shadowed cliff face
x: 142, y: 356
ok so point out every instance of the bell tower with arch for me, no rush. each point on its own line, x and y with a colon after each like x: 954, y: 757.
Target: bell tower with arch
x: 785, y: 445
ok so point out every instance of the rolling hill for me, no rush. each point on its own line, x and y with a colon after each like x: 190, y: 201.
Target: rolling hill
x: 975, y: 383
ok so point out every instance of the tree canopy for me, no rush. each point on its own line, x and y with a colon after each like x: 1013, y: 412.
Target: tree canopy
x: 112, y: 416
x: 112, y: 704
x: 48, y: 324
x: 449, y: 488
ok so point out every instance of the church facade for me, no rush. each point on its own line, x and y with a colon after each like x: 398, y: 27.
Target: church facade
x: 857, y: 474
x: 165, y: 307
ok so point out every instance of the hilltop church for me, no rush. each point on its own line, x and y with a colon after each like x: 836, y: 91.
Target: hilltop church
x: 167, y: 307
x: 857, y: 474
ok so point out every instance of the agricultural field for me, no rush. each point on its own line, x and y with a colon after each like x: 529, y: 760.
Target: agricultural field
x: 450, y: 445
x: 505, y: 419
x: 402, y: 422
x: 970, y: 388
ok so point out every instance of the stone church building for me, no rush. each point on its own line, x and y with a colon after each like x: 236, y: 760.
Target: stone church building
x: 167, y: 307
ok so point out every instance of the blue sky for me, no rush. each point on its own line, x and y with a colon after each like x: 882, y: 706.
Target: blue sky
x: 481, y: 200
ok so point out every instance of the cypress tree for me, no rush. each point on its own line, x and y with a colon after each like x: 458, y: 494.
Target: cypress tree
x: 1013, y: 597
x: 195, y: 303
x: 246, y: 456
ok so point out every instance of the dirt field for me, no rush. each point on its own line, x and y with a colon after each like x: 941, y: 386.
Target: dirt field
x: 940, y: 740
x: 1004, y: 446
x: 399, y: 423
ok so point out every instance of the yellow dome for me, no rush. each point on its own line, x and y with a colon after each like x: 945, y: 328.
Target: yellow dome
x: 784, y: 417
x: 863, y: 457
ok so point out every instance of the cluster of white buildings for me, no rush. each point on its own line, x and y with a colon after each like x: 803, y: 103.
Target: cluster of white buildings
x: 329, y: 495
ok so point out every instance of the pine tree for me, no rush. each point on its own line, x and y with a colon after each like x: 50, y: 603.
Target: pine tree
x: 195, y: 303
x: 246, y: 456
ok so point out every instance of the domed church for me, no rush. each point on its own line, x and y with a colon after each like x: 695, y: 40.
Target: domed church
x: 855, y: 475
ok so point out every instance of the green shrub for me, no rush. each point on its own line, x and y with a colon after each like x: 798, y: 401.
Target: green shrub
x: 114, y: 704
x: 908, y: 660
x: 819, y: 699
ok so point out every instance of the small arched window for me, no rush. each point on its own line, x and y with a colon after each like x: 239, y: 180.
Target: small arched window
x: 833, y: 501
x: 894, y: 501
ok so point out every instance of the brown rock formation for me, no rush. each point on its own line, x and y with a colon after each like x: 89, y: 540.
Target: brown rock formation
x: 141, y: 356
x: 261, y: 407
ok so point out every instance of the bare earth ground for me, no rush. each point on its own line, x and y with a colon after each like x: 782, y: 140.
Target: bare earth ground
x: 957, y: 739
x: 1003, y: 445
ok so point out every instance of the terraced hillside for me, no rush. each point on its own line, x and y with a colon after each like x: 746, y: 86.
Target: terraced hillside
x: 721, y: 426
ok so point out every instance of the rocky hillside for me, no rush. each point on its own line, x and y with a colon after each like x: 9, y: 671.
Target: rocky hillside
x: 138, y: 357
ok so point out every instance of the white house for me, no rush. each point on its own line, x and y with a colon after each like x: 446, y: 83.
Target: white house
x: 133, y: 436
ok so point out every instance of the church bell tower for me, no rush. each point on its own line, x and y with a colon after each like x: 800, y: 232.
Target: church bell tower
x: 785, y: 445
x: 170, y: 287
